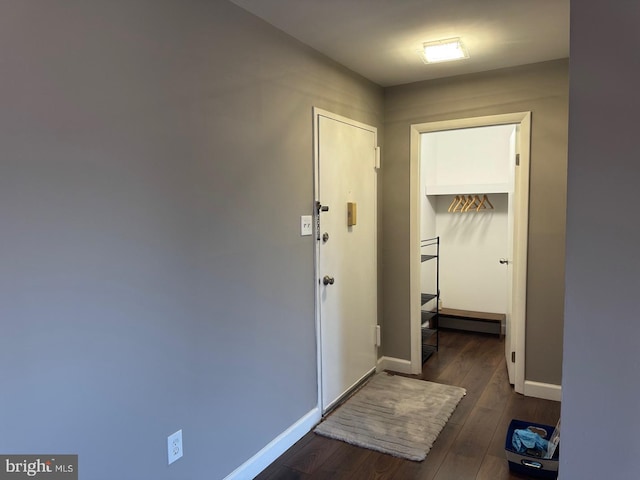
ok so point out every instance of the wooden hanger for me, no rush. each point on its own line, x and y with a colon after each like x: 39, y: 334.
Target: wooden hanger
x: 454, y: 202
x: 472, y: 202
x: 461, y: 203
x: 482, y: 205
x: 464, y: 203
x: 466, y: 200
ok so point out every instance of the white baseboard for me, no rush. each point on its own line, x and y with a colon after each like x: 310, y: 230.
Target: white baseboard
x: 276, y: 447
x: 547, y: 391
x: 394, y: 364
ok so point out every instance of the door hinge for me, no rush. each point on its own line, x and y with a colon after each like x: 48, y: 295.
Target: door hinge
x: 377, y: 160
x: 378, y: 336
x: 513, y: 357
x: 517, y: 159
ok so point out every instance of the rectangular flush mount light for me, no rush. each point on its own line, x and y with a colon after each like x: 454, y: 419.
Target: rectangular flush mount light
x: 444, y: 50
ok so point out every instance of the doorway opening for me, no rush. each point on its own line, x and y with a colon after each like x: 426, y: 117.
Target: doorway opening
x: 513, y: 202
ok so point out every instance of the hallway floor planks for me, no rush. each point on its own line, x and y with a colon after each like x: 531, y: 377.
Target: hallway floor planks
x: 470, y: 447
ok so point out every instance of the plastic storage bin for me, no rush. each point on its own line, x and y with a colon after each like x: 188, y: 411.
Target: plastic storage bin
x: 530, y: 465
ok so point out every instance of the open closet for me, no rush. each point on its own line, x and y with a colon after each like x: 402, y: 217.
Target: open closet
x: 470, y: 189
x: 467, y: 178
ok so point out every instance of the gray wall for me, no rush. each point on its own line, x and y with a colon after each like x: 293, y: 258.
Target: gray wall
x: 539, y: 88
x: 600, y: 391
x: 155, y: 157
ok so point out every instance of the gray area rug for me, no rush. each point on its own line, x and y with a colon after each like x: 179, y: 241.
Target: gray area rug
x: 395, y: 415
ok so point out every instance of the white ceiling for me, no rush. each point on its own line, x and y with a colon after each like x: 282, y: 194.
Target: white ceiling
x: 380, y: 39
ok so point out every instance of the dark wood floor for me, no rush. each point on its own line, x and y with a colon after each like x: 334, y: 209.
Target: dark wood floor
x: 470, y: 447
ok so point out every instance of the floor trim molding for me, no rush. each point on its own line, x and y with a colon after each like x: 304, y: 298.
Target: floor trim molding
x: 394, y: 364
x: 276, y: 447
x: 547, y: 391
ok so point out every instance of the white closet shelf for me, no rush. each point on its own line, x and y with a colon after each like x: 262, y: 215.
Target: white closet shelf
x: 468, y: 189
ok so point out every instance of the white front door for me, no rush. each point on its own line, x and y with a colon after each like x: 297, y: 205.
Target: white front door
x: 346, y: 264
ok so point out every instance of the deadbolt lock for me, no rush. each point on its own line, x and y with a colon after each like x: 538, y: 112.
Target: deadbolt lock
x: 321, y: 208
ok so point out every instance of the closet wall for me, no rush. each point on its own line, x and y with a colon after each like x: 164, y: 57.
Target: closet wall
x: 471, y: 245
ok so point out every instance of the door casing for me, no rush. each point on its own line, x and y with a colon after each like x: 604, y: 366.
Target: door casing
x: 520, y: 232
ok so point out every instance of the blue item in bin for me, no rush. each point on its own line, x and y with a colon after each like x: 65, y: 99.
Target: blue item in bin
x: 529, y: 464
x: 525, y: 439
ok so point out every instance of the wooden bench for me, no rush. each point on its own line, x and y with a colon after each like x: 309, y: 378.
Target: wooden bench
x: 484, y: 322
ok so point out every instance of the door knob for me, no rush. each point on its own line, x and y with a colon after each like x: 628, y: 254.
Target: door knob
x: 325, y: 237
x: 327, y: 280
x: 503, y: 261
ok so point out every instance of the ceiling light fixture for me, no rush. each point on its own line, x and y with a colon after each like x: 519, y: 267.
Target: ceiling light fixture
x: 444, y: 51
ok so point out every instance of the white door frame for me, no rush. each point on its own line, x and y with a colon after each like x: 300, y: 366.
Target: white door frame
x: 317, y: 113
x: 521, y: 216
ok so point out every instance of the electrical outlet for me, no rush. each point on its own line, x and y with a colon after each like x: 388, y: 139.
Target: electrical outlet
x: 174, y: 446
x: 305, y: 225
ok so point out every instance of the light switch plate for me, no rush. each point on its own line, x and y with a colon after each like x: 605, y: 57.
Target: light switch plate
x: 305, y: 225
